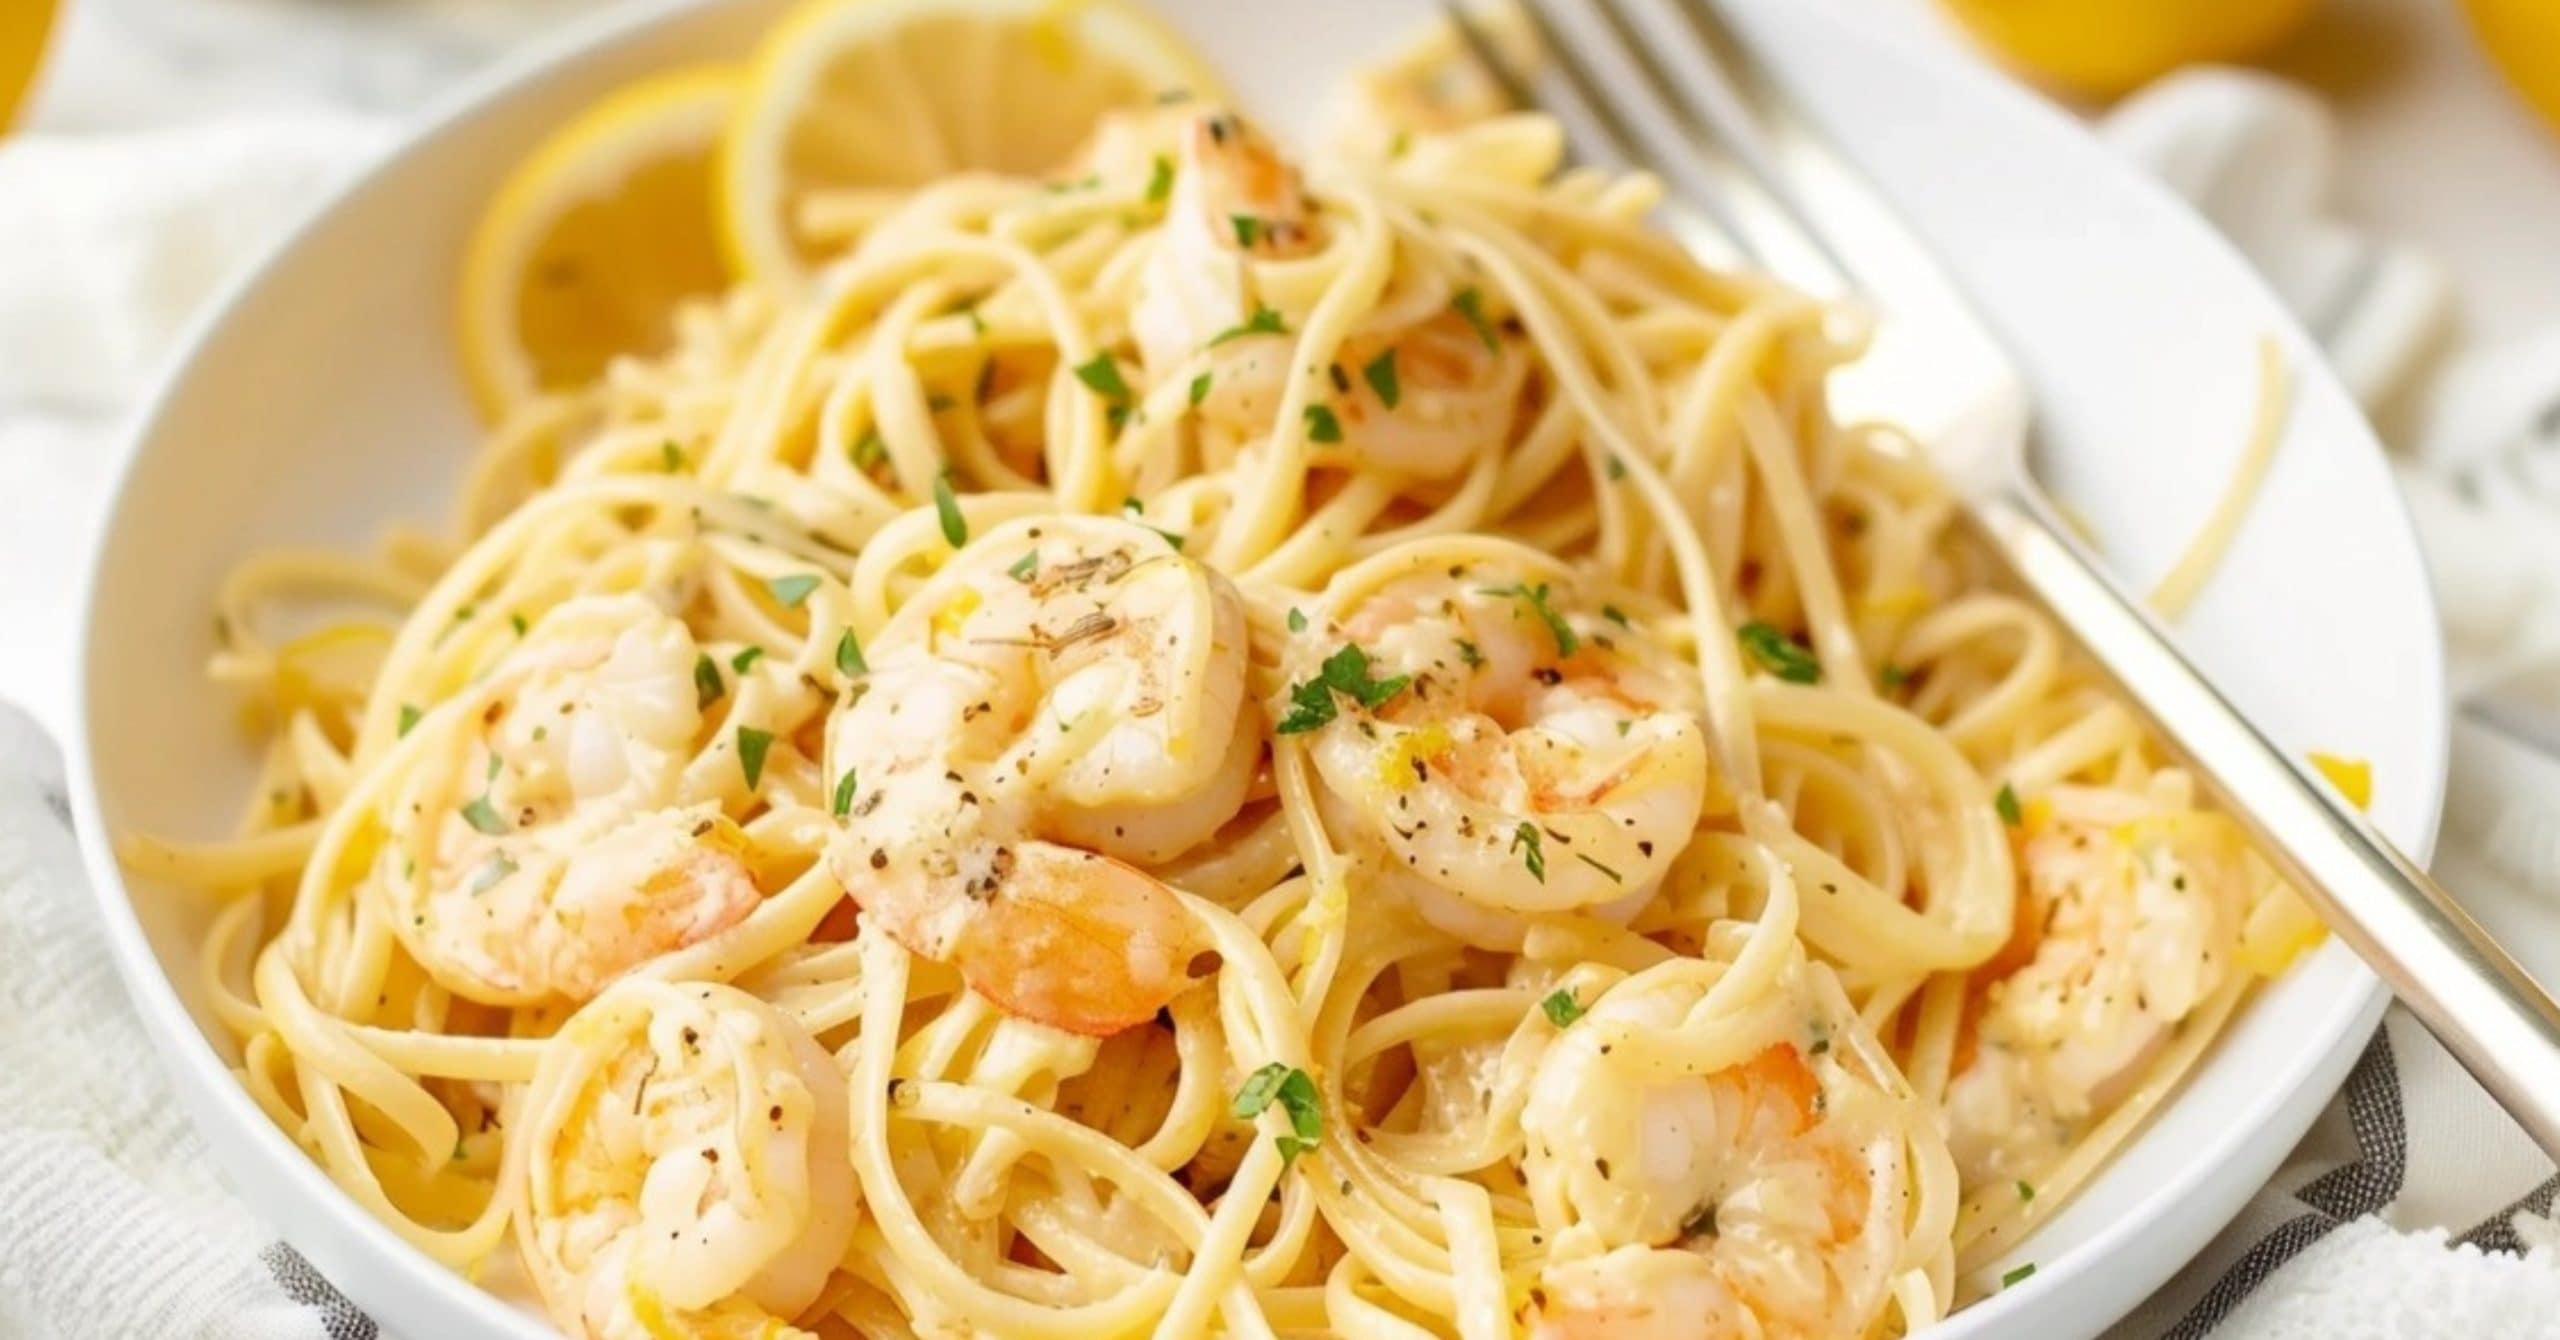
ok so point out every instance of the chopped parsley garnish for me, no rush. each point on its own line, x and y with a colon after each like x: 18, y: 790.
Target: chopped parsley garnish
x: 1199, y: 389
x: 707, y: 687
x: 1468, y: 653
x: 1891, y: 676
x: 2025, y: 1193
x: 1248, y: 229
x: 498, y: 868
x: 670, y: 456
x: 1561, y: 1008
x: 1614, y: 876
x: 516, y: 622
x: 751, y: 746
x: 1297, y: 620
x: 1296, y: 1094
x: 844, y: 794
x: 1779, y: 654
x: 1024, y: 566
x: 1615, y: 615
x: 746, y: 658
x: 1380, y: 373
x: 1345, y: 672
x: 793, y: 589
x: 955, y: 527
x: 2017, y: 1276
x: 849, y: 660
x: 1470, y: 304
x: 483, y: 816
x: 1102, y: 376
x: 1527, y: 835
x: 1614, y: 468
x: 2006, y: 802
x: 1322, y: 426
x: 1135, y: 511
x: 1264, y: 321
x: 1566, y: 641
x: 409, y: 715
x: 1160, y: 184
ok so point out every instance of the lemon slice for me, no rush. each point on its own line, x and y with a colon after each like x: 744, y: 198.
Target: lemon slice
x: 2523, y: 37
x: 856, y: 94
x: 596, y: 239
x: 2102, y: 48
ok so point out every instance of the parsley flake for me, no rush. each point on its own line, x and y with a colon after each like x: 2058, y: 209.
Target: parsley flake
x: 791, y: 590
x: 1264, y: 321
x: 955, y: 527
x: 1295, y: 1093
x: 1779, y: 654
x: 752, y: 744
x: 1160, y: 184
x: 1561, y: 1008
x: 1102, y: 376
x: 2017, y: 1276
x: 1527, y: 835
x: 1345, y: 672
x: 483, y: 816
x: 844, y: 794
x: 1891, y: 676
x: 707, y: 687
x: 1025, y: 566
x: 1248, y: 229
x: 1297, y: 620
x: 1199, y: 389
x: 1470, y: 304
x: 2006, y: 802
x: 1380, y: 373
x: 849, y: 660
x: 409, y: 715
x: 1322, y: 426
x: 746, y: 658
x: 1567, y: 643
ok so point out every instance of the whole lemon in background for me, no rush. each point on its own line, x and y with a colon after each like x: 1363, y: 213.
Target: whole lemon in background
x: 2101, y: 48
x: 23, y: 24
x: 2523, y: 37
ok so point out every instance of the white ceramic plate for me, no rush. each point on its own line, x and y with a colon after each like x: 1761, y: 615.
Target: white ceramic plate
x: 322, y: 401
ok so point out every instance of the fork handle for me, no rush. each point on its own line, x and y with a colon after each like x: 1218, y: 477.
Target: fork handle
x: 2477, y: 1000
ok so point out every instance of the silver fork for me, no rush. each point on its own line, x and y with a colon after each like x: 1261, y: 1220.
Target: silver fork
x: 1670, y: 85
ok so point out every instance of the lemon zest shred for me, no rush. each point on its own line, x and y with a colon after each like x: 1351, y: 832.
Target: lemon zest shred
x: 2352, y: 776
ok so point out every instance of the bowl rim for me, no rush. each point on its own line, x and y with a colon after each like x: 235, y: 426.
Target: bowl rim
x: 212, y: 1094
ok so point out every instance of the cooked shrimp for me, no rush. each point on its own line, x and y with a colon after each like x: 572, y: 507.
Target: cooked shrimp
x: 2131, y: 920
x: 1536, y: 758
x: 1065, y: 698
x: 1234, y: 199
x: 1785, y: 1174
x: 571, y: 865
x: 1430, y: 396
x: 688, y: 1167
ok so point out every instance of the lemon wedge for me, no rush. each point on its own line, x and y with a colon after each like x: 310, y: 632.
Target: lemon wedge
x: 596, y: 239
x: 2523, y: 37
x: 869, y: 94
x: 23, y: 24
x: 2101, y: 48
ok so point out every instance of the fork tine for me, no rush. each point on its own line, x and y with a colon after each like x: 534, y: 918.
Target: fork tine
x: 1715, y: 85
x: 1597, y: 120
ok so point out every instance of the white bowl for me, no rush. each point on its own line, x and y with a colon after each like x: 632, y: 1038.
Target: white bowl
x: 322, y: 401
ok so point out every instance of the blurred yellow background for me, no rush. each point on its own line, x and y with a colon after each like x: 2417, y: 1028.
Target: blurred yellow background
x: 23, y: 25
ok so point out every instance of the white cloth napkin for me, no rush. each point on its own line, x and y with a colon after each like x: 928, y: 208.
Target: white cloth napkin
x: 109, y: 244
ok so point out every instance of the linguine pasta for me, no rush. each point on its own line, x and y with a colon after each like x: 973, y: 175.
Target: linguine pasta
x: 1183, y: 749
